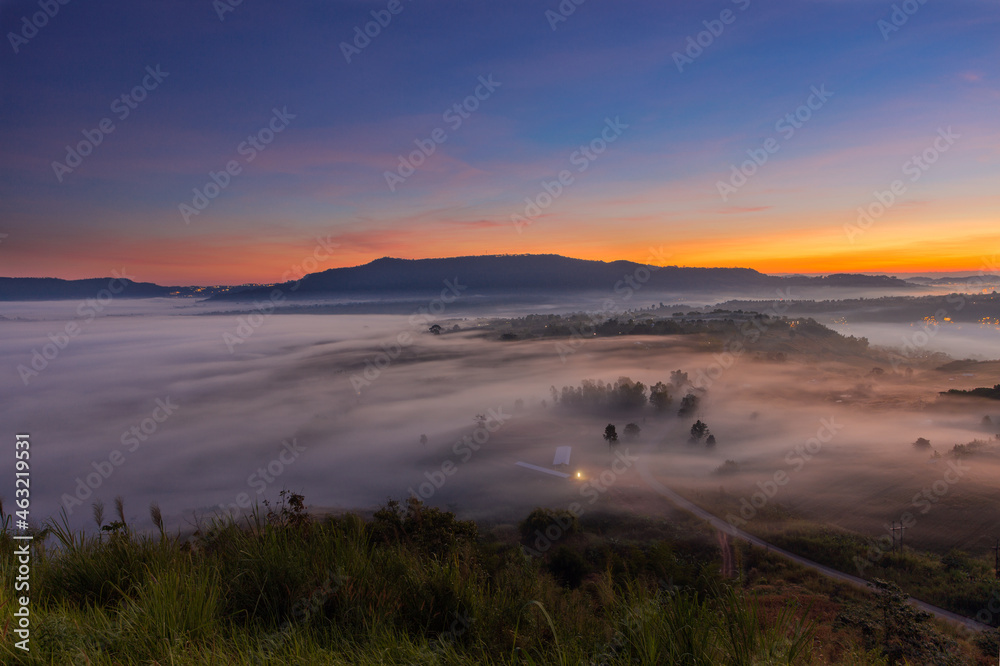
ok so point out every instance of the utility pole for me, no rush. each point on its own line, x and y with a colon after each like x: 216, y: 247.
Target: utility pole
x: 900, y: 529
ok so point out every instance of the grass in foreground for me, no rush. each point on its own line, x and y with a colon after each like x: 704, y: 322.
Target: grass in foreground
x: 414, y: 585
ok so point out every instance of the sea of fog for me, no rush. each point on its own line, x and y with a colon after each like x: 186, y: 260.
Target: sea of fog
x: 980, y: 342
x: 157, y: 403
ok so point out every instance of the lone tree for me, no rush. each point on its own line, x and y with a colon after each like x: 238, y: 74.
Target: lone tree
x: 611, y: 435
x: 922, y: 443
x: 435, y: 329
x: 710, y: 442
x: 632, y: 431
x: 698, y: 431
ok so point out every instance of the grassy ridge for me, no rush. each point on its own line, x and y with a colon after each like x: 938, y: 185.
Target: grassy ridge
x: 953, y: 580
x: 413, y: 585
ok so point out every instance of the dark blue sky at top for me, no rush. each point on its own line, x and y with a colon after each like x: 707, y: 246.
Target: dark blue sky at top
x: 607, y: 59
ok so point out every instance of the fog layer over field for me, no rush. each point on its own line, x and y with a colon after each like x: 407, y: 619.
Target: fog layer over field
x: 157, y: 408
x: 959, y: 340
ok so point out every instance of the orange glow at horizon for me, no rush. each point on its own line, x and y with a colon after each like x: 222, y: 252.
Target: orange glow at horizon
x: 225, y: 261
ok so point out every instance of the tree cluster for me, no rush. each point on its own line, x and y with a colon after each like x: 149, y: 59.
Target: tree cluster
x: 632, y: 431
x: 700, y: 432
x: 625, y: 395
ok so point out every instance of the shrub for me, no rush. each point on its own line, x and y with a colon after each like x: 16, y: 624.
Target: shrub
x: 568, y: 567
x: 541, y: 519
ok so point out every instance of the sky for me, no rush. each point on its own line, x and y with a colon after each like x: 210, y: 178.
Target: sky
x: 722, y: 133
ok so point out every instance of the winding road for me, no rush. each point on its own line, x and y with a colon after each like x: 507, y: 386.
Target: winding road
x: 736, y: 532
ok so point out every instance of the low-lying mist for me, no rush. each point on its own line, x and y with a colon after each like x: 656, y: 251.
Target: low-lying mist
x: 958, y: 340
x: 204, y: 416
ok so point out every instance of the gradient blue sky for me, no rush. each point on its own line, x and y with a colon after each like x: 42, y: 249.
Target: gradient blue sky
x: 655, y: 186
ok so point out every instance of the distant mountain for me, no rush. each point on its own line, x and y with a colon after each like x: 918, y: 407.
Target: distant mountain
x: 542, y: 273
x: 521, y: 274
x: 54, y: 289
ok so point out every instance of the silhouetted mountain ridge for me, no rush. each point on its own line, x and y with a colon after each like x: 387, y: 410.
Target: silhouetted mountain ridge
x: 541, y: 272
x: 55, y: 289
x: 485, y: 274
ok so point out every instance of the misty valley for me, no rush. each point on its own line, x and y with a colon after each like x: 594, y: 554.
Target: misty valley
x: 551, y: 431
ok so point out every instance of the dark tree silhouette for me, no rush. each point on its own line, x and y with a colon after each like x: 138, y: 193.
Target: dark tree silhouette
x: 632, y: 430
x: 435, y: 329
x: 590, y: 395
x: 659, y: 397
x: 698, y: 431
x: 628, y: 395
x: 710, y: 442
x: 678, y: 378
x: 728, y: 467
x: 611, y: 435
x: 689, y: 405
x: 922, y: 443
